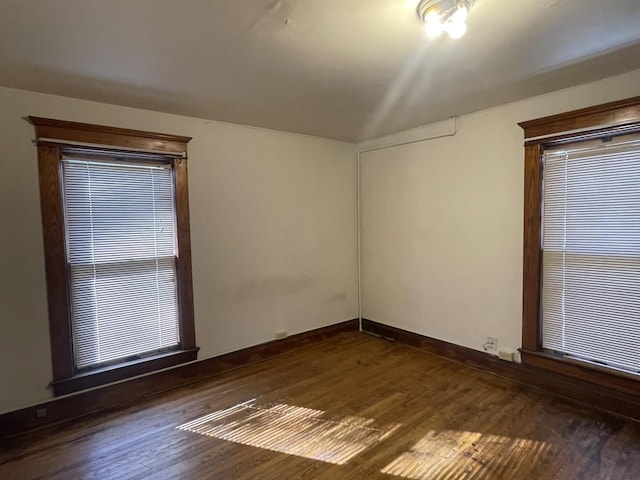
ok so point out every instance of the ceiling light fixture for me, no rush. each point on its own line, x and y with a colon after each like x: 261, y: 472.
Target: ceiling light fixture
x: 444, y: 16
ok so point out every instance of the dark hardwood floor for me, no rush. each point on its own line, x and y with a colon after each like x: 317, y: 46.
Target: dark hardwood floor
x: 353, y: 407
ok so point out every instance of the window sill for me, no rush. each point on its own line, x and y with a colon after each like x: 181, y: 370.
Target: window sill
x: 601, y: 376
x: 122, y: 371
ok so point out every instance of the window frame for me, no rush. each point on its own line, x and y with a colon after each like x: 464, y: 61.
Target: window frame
x: 614, y: 118
x: 52, y: 136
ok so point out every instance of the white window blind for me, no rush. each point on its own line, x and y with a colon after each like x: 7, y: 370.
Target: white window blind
x: 121, y: 251
x: 591, y: 253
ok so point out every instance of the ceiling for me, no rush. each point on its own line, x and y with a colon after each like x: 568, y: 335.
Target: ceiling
x: 343, y: 69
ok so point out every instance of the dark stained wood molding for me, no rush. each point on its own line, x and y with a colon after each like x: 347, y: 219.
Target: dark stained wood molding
x: 582, y: 390
x: 126, y: 393
x: 109, y: 136
x: 614, y: 113
x: 591, y: 134
x: 122, y: 371
x: 532, y: 255
x: 448, y: 350
x: 183, y: 262
x: 55, y: 264
x: 619, y: 381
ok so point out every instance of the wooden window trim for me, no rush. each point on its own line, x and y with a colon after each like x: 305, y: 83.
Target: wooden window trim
x: 52, y: 137
x: 598, y: 121
x: 616, y: 114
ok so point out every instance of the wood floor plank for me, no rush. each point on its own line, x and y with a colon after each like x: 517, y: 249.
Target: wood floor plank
x: 376, y: 409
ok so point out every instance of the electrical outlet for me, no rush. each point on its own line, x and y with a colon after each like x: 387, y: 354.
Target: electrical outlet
x: 41, y: 412
x: 491, y: 344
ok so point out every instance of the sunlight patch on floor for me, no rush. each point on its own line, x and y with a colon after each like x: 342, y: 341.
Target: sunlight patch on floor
x: 300, y: 431
x: 451, y: 454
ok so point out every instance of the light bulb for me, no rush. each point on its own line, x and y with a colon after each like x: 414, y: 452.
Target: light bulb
x: 460, y: 15
x: 455, y: 25
x: 433, y: 24
x: 433, y: 29
x: 455, y: 29
x: 432, y: 16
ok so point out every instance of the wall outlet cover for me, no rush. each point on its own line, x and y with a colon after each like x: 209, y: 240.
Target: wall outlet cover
x: 491, y: 344
x: 506, y: 355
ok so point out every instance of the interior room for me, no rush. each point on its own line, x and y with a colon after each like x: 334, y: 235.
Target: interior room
x: 403, y: 239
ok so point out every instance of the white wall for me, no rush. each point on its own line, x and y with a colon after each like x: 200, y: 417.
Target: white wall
x: 441, y: 222
x: 272, y: 229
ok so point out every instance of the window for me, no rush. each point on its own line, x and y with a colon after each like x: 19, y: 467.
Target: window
x: 120, y: 239
x: 591, y: 252
x: 581, y: 297
x: 116, y: 232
